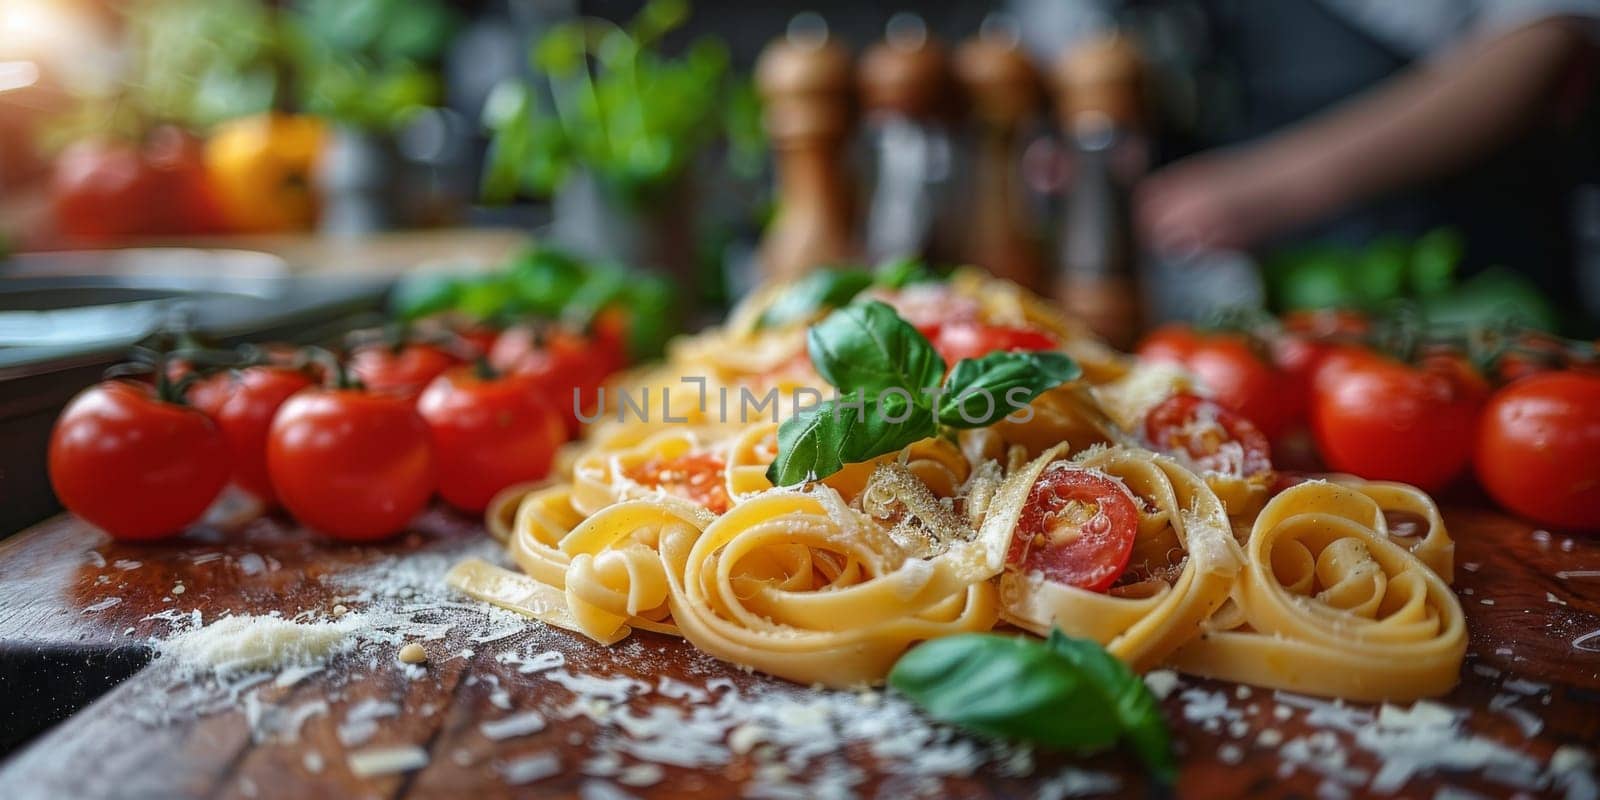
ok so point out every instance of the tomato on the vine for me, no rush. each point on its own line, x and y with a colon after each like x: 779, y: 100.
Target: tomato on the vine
x: 134, y: 465
x: 966, y: 339
x: 610, y: 337
x: 243, y: 404
x: 489, y: 432
x: 566, y: 370
x: 479, y: 339
x: 1538, y: 449
x: 1385, y: 419
x: 1239, y: 378
x: 352, y: 464
x: 1077, y: 528
x: 1214, y: 438
x: 403, y: 370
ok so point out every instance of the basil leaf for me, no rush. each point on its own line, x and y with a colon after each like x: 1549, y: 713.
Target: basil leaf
x: 902, y: 272
x: 1137, y: 710
x: 867, y: 347
x: 1007, y: 686
x: 546, y: 279
x: 652, y: 303
x: 997, y: 376
x: 820, y: 441
x: 603, y: 285
x: 1063, y: 693
x: 417, y: 296
x: 488, y: 297
x: 817, y: 291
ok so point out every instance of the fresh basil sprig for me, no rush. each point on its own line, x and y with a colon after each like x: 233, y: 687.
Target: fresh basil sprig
x: 1005, y: 377
x: 1063, y: 693
x: 834, y: 287
x: 824, y: 288
x: 895, y: 392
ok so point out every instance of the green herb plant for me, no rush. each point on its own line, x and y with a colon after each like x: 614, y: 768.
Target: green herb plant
x: 543, y: 282
x: 1392, y: 273
x: 368, y: 64
x: 616, y: 107
x: 1062, y: 693
x: 895, y: 391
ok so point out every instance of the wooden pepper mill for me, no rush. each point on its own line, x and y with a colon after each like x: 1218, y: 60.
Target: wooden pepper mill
x: 805, y: 82
x: 905, y: 95
x: 1003, y: 94
x: 1099, y: 97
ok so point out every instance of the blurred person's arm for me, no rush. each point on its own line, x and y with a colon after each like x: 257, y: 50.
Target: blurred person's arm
x: 1431, y: 120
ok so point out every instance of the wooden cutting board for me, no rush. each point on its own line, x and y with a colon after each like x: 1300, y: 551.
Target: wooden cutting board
x: 77, y: 612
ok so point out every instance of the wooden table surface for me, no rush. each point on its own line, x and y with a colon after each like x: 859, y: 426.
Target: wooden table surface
x: 90, y: 606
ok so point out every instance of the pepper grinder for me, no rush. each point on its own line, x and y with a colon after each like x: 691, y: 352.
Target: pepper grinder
x: 805, y: 82
x: 1099, y: 98
x: 1003, y: 94
x: 905, y: 88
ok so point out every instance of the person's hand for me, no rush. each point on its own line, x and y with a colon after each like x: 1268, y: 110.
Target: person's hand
x: 1219, y: 200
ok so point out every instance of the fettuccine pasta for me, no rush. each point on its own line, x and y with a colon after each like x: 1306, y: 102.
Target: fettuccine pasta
x: 668, y: 523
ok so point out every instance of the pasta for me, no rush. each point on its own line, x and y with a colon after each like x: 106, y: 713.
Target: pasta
x: 1332, y: 586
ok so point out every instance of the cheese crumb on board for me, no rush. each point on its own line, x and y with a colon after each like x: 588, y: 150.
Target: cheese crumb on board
x: 375, y: 761
x: 512, y: 726
x: 529, y: 769
x: 250, y: 643
x: 412, y: 653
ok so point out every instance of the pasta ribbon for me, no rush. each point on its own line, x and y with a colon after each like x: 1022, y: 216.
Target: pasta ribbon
x: 1329, y: 605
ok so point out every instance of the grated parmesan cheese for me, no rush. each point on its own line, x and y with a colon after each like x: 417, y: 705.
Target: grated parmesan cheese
x: 377, y: 761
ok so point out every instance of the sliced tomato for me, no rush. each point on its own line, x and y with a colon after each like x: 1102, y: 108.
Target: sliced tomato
x: 1214, y: 438
x: 696, y: 477
x: 958, y: 340
x: 1077, y: 528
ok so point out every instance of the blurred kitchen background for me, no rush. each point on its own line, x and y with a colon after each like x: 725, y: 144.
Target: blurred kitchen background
x: 722, y: 143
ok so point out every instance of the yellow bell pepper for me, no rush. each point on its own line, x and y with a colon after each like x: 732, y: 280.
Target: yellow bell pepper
x: 261, y: 168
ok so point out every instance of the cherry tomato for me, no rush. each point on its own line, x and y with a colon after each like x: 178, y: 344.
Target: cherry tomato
x: 564, y: 369
x: 488, y: 433
x: 1298, y: 358
x: 611, y: 338
x: 187, y: 203
x: 135, y: 466
x: 243, y: 404
x: 1386, y: 420
x: 354, y: 465
x: 696, y: 477
x: 479, y: 339
x: 1214, y: 438
x: 958, y: 340
x: 1077, y: 528
x: 104, y: 190
x: 1538, y: 449
x: 405, y: 370
x: 1240, y: 380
